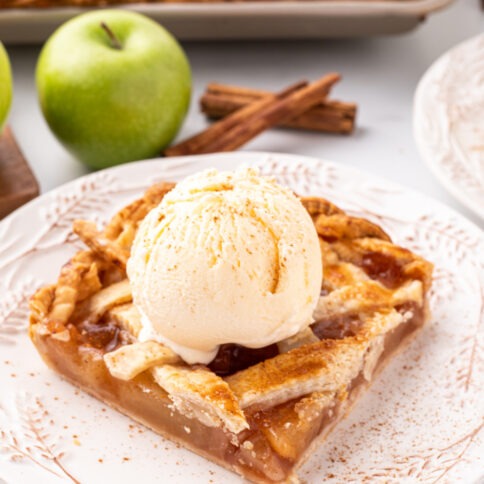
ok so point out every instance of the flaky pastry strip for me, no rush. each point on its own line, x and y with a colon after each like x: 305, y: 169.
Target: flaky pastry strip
x: 319, y: 206
x: 323, y: 366
x: 96, y: 306
x: 129, y: 217
x: 411, y: 265
x: 65, y: 298
x: 126, y: 237
x: 128, y: 317
x: 375, y: 324
x: 340, y: 226
x: 101, y: 245
x: 155, y: 193
x: 199, y: 393
x: 90, y: 283
x: 326, y: 366
x: 40, y: 304
x: 342, y: 274
x: 75, y: 282
x: 130, y: 360
x: 304, y: 337
x: 365, y: 296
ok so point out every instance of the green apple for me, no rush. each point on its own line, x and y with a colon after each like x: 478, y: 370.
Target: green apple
x: 5, y: 86
x: 114, y: 86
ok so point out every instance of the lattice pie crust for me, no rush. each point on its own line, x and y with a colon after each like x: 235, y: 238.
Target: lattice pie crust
x: 254, y: 412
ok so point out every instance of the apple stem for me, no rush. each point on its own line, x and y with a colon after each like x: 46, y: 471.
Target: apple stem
x: 114, y: 40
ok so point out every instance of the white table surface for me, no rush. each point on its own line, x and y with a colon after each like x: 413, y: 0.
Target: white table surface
x: 380, y: 74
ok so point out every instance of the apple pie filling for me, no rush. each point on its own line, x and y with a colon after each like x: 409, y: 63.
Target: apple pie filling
x: 277, y: 437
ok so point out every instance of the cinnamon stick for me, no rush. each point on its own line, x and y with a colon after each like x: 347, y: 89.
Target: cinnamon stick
x: 200, y: 142
x: 255, y: 118
x: 329, y: 116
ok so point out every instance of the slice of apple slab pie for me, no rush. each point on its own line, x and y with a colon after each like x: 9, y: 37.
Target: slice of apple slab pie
x: 255, y: 411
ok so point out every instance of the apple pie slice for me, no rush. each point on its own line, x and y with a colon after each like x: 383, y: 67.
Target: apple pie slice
x: 253, y: 411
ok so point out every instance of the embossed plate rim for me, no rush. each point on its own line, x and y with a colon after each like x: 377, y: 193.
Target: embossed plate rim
x: 457, y: 186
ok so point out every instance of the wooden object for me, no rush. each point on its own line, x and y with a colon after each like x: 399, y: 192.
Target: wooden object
x: 17, y: 182
x: 330, y: 116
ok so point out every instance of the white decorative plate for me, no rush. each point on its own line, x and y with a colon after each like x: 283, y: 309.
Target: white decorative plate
x: 422, y: 421
x: 449, y: 121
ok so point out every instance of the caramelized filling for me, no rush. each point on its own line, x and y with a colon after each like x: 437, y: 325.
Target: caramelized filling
x: 284, y: 430
x: 104, y: 336
x: 336, y: 328
x: 383, y: 268
x: 418, y: 312
x: 232, y: 358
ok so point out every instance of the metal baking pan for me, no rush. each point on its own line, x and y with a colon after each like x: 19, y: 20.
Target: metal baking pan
x: 244, y: 20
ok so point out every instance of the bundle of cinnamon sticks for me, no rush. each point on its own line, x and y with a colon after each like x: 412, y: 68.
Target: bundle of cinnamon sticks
x: 248, y: 112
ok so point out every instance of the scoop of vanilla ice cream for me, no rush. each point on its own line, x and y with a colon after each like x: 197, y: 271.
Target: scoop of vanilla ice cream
x: 225, y: 258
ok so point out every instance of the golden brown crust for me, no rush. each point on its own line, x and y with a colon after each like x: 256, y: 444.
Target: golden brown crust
x: 199, y: 393
x: 325, y: 366
x: 308, y: 367
x: 107, y: 249
x: 319, y: 206
x: 366, y: 296
x: 366, y: 278
x: 78, y: 280
x: 345, y: 242
x: 81, y: 277
x: 124, y: 224
x: 95, y: 307
x: 128, y: 361
x: 40, y: 304
x: 339, y: 226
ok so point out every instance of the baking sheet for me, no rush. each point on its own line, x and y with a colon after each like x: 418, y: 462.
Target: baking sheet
x: 246, y: 20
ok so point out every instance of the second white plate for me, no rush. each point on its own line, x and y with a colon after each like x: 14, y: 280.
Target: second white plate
x: 449, y: 121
